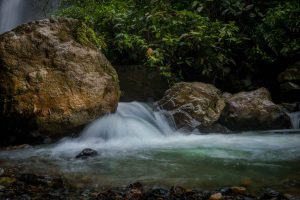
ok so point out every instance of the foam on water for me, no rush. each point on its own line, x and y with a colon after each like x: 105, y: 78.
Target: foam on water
x: 137, y: 127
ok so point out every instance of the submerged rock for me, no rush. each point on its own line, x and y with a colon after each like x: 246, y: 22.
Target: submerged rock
x: 193, y: 105
x: 86, y: 153
x: 50, y: 84
x: 253, y: 110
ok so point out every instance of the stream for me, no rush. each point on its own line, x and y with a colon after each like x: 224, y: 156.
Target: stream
x: 139, y: 144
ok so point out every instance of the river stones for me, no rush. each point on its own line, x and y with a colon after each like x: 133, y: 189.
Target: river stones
x: 202, y: 106
x: 51, y: 84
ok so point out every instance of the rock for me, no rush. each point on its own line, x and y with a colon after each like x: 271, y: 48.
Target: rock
x: 17, y: 147
x: 157, y: 193
x: 134, y: 191
x: 290, y: 107
x: 216, y: 196
x: 1, y: 172
x: 289, y: 86
x: 50, y: 83
x: 270, y: 194
x: 292, y: 73
x: 86, y: 153
x: 193, y: 105
x: 253, y: 110
x: 177, y: 192
x: 290, y: 83
x: 238, y: 190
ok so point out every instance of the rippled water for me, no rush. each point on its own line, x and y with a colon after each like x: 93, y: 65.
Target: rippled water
x: 138, y: 144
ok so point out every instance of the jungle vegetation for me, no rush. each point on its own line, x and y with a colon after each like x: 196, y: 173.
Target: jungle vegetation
x: 234, y: 44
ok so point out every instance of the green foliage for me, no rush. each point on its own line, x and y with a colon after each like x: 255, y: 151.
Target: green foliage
x: 87, y: 36
x: 192, y: 40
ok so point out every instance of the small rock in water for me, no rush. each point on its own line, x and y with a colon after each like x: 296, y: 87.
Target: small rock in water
x: 86, y: 153
x: 238, y: 190
x: 216, y: 196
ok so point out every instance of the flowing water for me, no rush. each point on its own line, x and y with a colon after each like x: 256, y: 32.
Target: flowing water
x: 139, y: 144
x: 16, y: 12
x: 295, y: 119
x: 10, y: 14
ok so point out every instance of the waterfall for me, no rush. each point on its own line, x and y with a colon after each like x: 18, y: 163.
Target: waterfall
x: 16, y: 12
x: 11, y: 12
x: 295, y: 119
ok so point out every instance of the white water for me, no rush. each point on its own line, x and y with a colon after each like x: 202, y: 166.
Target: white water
x: 138, y: 144
x: 295, y: 119
x: 135, y: 127
x: 11, y: 14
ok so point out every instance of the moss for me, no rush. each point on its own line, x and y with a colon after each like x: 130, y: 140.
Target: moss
x: 87, y: 36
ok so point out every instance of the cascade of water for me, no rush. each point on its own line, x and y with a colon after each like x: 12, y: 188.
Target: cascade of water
x: 10, y: 14
x: 16, y: 12
x: 295, y: 119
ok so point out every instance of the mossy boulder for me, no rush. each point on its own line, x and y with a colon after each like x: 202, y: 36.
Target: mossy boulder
x: 51, y: 84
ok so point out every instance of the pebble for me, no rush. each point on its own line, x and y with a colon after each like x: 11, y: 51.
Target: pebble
x: 216, y: 196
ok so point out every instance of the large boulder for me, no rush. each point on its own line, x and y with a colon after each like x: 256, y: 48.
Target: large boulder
x: 51, y: 84
x: 194, y: 105
x: 253, y: 110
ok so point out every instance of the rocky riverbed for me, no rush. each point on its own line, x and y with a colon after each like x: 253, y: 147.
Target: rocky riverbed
x: 24, y: 186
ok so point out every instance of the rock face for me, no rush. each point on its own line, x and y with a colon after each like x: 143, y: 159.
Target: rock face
x: 193, y: 105
x: 290, y: 83
x: 50, y: 84
x: 253, y: 110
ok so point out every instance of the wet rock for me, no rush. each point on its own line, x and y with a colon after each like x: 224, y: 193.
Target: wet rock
x: 197, y: 194
x: 238, y: 190
x: 110, y: 195
x: 157, y: 193
x: 134, y: 191
x: 270, y: 194
x: 51, y: 85
x: 253, y: 110
x: 216, y: 196
x: 86, y: 153
x: 193, y: 105
x: 17, y: 147
x: 290, y: 107
x: 177, y: 192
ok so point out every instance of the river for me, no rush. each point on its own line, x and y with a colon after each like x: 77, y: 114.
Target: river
x: 139, y: 144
